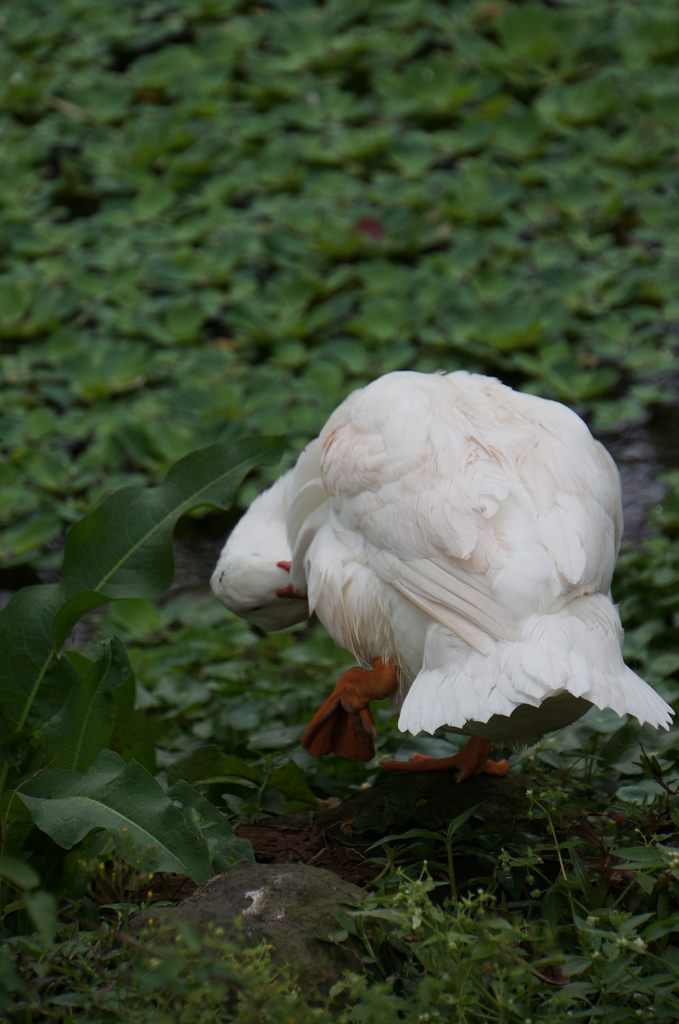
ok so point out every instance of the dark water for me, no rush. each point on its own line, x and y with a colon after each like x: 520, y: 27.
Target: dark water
x: 643, y: 453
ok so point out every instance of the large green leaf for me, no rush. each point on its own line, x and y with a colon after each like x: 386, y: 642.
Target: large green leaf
x: 148, y: 831
x: 222, y: 845
x: 289, y: 779
x: 28, y: 662
x: 122, y: 549
x: 132, y: 737
x: 84, y: 723
x: 72, y: 609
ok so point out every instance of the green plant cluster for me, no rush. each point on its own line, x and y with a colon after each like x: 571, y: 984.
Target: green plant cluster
x: 62, y: 786
x: 568, y: 927
x: 589, y: 944
x: 218, y: 210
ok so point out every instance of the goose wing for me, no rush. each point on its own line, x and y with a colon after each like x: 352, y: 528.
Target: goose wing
x: 479, y: 504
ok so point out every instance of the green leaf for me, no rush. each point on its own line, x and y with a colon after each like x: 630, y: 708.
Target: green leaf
x: 84, y: 724
x: 640, y: 857
x: 616, y: 969
x: 222, y: 845
x: 18, y: 872
x: 231, y: 765
x: 28, y: 662
x: 184, y: 321
x: 198, y: 764
x: 110, y: 369
x: 657, y: 929
x: 13, y: 302
x: 575, y: 965
x: 71, y: 611
x: 23, y: 539
x: 581, y: 874
x: 137, y: 615
x: 124, y: 548
x: 147, y: 830
x: 132, y: 737
x: 529, y: 32
x: 291, y: 782
x: 19, y: 824
x: 42, y: 910
x: 412, y: 833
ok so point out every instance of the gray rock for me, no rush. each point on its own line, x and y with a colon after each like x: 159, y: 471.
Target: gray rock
x: 290, y: 906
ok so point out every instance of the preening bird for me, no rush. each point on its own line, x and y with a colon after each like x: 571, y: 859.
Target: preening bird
x: 459, y: 539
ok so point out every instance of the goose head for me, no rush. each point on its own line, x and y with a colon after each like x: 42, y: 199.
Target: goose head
x: 252, y: 576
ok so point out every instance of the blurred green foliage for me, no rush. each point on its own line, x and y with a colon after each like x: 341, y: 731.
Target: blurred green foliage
x: 219, y: 210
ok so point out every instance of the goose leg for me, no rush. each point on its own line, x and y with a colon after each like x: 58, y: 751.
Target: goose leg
x: 344, y: 724
x: 471, y: 760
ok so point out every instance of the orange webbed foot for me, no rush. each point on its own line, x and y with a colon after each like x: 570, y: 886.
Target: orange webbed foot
x: 344, y: 724
x: 471, y: 760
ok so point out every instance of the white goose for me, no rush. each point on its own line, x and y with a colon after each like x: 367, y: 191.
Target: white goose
x: 459, y: 538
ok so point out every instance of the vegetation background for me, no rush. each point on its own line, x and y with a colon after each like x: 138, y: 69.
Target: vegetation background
x: 222, y: 216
